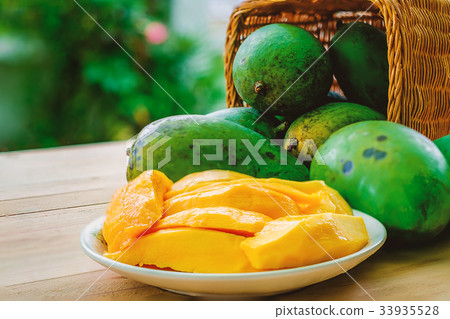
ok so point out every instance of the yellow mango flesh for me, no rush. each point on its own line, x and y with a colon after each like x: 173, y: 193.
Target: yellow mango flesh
x: 312, y: 197
x: 302, y: 240
x: 200, y: 223
x: 314, y: 203
x: 194, y: 180
x: 188, y: 249
x: 328, y: 195
x: 134, y: 208
x: 241, y: 196
x: 318, y: 198
x: 227, y: 219
x: 307, y: 187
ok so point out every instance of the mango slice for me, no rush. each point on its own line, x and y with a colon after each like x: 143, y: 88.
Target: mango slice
x: 313, y: 197
x: 196, y: 180
x: 318, y: 197
x: 134, y: 208
x: 304, y: 240
x: 321, y: 189
x: 227, y: 219
x: 240, y: 196
x: 308, y: 187
x: 314, y: 203
x: 188, y: 249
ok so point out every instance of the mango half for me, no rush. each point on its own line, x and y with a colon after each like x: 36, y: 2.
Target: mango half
x: 134, y: 208
x: 188, y: 249
x: 297, y: 241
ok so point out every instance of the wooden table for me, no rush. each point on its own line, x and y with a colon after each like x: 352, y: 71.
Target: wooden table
x: 47, y: 196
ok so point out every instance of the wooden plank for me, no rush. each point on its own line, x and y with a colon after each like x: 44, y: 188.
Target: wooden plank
x: 45, y: 158
x: 28, y: 164
x: 45, y: 245
x: 39, y: 204
x: 43, y: 172
x: 110, y: 286
x: 58, y: 187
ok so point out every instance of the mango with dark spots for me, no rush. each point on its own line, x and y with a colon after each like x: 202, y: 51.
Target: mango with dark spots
x: 391, y: 172
x: 282, y: 69
x: 184, y: 144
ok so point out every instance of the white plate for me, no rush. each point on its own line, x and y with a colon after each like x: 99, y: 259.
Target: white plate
x: 234, y: 285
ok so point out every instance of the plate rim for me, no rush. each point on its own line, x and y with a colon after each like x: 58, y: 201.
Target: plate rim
x: 86, y: 233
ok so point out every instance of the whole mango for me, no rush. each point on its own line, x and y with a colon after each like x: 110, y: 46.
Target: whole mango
x: 358, y: 53
x: 318, y: 124
x: 250, y: 118
x: 282, y: 69
x: 184, y: 144
x: 391, y: 172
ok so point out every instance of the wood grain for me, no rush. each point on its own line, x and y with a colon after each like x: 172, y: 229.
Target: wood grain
x: 61, y: 170
x: 47, y: 196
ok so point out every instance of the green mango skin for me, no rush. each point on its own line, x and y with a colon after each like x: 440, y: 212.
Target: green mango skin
x: 359, y: 56
x: 275, y: 56
x: 443, y: 145
x: 182, y: 130
x: 320, y: 123
x: 246, y: 116
x: 331, y: 97
x: 391, y: 172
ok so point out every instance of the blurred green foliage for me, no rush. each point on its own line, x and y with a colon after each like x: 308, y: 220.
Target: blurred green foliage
x: 64, y: 81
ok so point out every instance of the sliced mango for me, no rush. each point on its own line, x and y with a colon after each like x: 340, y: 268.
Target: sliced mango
x: 134, y: 208
x: 188, y: 249
x: 227, y: 219
x: 308, y: 187
x: 312, y: 197
x: 321, y: 189
x: 302, y: 240
x: 307, y: 203
x: 196, y: 180
x: 240, y: 196
x: 205, y: 223
x: 318, y: 198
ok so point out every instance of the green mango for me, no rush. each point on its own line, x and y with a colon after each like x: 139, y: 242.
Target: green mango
x: 320, y: 123
x: 282, y: 69
x: 391, y: 172
x: 287, y: 120
x: 443, y: 145
x: 172, y: 146
x: 358, y: 53
x: 250, y: 118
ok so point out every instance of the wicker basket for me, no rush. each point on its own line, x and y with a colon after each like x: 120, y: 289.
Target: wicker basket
x: 418, y: 36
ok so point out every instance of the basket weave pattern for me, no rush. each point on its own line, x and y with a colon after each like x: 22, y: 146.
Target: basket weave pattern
x: 418, y: 36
